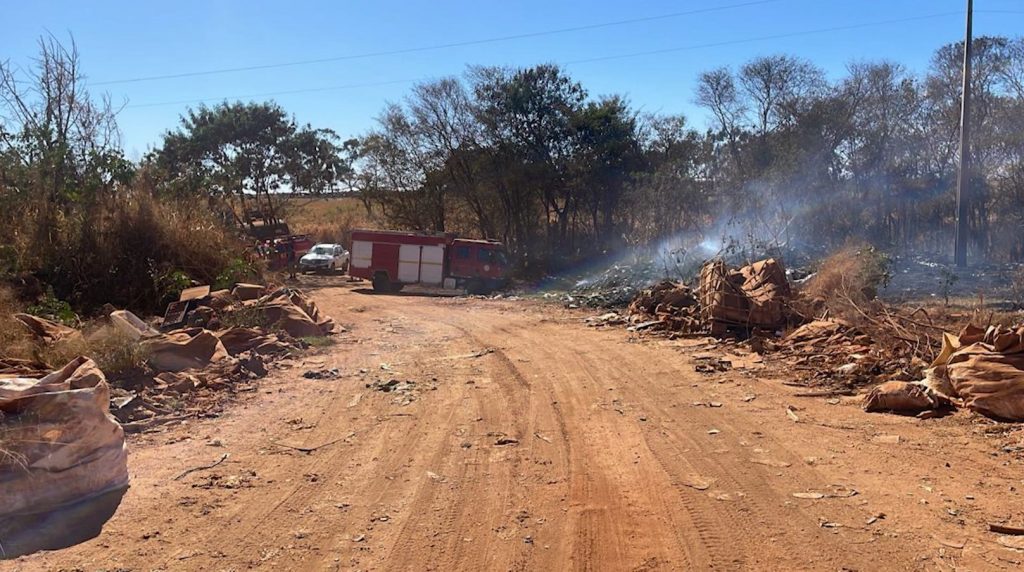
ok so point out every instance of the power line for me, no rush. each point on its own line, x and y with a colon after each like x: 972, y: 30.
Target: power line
x: 763, y: 38
x: 274, y: 93
x: 600, y: 58
x: 439, y: 46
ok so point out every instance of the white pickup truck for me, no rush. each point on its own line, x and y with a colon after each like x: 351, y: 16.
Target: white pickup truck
x: 325, y: 258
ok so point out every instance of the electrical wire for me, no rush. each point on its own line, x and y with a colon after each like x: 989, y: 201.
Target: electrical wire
x: 595, y: 59
x: 436, y: 46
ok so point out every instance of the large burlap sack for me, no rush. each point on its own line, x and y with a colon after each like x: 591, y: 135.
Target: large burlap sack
x: 181, y: 350
x: 65, y: 467
x: 240, y: 340
x: 308, y: 307
x: 753, y: 296
x: 248, y: 291
x: 901, y: 397
x: 768, y: 291
x: 285, y: 315
x: 984, y: 368
x: 721, y: 296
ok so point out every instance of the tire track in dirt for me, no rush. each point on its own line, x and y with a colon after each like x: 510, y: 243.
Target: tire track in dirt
x: 600, y: 468
x: 754, y: 529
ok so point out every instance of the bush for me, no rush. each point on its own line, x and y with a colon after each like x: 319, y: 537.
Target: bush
x: 132, y: 249
x: 849, y: 277
x: 15, y: 341
x: 115, y: 353
x: 54, y: 309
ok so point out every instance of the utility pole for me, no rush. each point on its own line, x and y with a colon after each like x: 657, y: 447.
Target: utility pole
x: 963, y: 180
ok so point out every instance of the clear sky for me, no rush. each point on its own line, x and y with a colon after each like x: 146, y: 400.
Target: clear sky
x: 122, y: 40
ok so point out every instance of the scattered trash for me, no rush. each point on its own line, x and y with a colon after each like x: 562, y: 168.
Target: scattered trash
x: 886, y: 439
x: 711, y: 364
x: 1006, y: 529
x: 322, y: 374
x: 791, y: 413
x: 903, y: 397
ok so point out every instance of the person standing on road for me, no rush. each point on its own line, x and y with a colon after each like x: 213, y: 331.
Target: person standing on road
x: 290, y: 253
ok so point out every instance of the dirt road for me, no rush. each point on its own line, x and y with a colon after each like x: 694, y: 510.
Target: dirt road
x: 528, y: 441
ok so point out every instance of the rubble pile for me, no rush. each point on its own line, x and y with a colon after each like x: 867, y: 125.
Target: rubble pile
x: 193, y: 358
x: 835, y: 355
x: 672, y: 305
x: 615, y: 287
x: 753, y: 297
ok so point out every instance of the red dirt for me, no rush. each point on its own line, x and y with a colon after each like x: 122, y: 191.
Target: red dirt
x: 619, y: 463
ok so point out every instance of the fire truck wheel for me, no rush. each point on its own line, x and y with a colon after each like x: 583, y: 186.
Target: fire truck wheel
x: 381, y: 284
x: 476, y: 287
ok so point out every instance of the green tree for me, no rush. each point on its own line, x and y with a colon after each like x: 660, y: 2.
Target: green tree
x: 249, y: 154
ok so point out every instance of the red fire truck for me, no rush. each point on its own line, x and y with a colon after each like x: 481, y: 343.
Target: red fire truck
x: 393, y: 259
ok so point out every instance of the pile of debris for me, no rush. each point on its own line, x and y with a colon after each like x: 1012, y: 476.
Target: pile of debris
x: 615, y: 287
x: 979, y: 369
x: 668, y: 305
x: 208, y: 345
x: 751, y: 298
x: 835, y: 357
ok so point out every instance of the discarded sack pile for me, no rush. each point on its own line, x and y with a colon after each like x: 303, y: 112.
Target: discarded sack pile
x: 748, y: 298
x: 669, y: 305
x: 63, y: 463
x: 982, y: 370
x: 191, y: 356
x: 203, y: 363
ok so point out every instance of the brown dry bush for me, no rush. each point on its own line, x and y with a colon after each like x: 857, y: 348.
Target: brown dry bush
x: 133, y: 250
x: 115, y: 353
x: 15, y: 341
x: 846, y: 282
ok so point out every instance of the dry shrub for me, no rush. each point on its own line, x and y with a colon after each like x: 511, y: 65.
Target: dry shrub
x: 135, y: 251
x: 115, y: 353
x: 15, y: 341
x: 847, y: 281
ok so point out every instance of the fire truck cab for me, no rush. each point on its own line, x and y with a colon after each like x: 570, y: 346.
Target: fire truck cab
x: 394, y: 259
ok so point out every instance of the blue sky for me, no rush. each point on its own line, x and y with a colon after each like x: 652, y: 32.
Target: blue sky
x: 121, y: 40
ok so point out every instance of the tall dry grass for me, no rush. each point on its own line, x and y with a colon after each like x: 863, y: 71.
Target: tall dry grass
x: 14, y: 339
x: 329, y: 219
x: 132, y: 249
